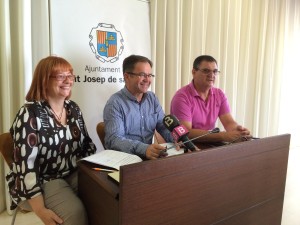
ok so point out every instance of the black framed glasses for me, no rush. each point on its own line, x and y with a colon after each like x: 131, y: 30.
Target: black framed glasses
x: 61, y: 77
x: 141, y: 74
x: 208, y: 71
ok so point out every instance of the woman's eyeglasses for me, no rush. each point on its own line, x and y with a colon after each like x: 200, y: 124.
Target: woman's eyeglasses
x: 61, y: 77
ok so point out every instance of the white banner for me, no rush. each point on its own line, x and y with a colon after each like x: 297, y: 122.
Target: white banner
x: 95, y: 36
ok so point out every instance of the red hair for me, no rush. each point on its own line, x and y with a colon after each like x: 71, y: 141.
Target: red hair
x: 47, y: 67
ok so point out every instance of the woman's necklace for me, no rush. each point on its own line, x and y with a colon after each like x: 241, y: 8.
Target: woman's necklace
x: 58, y: 117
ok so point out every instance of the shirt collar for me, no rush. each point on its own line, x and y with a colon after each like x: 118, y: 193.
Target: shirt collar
x: 125, y: 92
x: 194, y: 91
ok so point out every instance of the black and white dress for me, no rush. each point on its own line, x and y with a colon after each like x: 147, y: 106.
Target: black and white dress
x: 44, y: 149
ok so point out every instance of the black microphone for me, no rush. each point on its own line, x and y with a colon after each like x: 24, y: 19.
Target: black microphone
x: 213, y: 131
x: 179, y: 132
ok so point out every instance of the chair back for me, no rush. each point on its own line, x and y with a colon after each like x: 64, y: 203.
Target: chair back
x: 101, y: 132
x: 7, y: 148
x: 7, y: 151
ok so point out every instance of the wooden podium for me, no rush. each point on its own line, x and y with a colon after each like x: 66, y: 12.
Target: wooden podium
x: 238, y: 184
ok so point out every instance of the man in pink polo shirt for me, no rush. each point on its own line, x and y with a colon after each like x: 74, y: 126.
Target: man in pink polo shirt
x: 199, y: 104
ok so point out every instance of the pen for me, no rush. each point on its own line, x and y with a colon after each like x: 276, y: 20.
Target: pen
x: 104, y: 170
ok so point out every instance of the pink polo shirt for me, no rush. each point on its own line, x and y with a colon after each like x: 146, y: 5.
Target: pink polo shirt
x: 187, y: 105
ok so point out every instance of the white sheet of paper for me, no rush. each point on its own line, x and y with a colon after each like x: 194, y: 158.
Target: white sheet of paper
x: 112, y: 158
x: 172, y: 151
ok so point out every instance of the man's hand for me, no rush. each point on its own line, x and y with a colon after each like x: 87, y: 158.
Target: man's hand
x: 238, y: 135
x: 244, y: 131
x: 155, y: 151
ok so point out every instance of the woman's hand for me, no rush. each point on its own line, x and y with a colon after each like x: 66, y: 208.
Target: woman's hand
x: 49, y: 217
x: 46, y: 215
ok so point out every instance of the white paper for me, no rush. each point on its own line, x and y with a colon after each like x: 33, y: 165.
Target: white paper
x: 112, y: 158
x: 172, y: 151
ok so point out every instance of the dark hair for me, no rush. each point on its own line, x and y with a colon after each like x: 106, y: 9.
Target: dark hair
x: 130, y: 61
x: 202, y: 58
x: 48, y: 66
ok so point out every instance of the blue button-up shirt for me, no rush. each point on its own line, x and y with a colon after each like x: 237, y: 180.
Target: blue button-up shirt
x: 130, y: 125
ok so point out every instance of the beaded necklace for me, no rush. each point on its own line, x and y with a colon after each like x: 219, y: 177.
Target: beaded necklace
x: 58, y: 117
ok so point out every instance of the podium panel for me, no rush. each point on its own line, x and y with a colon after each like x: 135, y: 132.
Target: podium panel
x: 235, y: 184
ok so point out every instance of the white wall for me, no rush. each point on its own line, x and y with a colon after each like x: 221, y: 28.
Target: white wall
x: 74, y: 25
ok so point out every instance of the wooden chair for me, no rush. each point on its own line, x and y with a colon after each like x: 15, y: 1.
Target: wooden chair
x: 7, y: 148
x: 101, y: 132
x: 7, y: 151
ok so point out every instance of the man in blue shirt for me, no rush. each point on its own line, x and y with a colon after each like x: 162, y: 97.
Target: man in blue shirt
x: 133, y: 114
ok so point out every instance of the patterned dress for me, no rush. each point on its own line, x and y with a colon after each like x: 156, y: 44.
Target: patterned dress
x: 44, y: 149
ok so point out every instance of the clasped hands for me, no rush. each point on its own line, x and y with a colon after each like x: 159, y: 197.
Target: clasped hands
x: 239, y: 134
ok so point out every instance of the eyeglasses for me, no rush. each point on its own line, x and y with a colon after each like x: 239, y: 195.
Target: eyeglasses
x: 61, y: 77
x: 142, y: 74
x: 208, y: 71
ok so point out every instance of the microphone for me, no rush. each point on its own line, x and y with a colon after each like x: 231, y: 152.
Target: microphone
x: 179, y: 132
x: 213, y: 131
